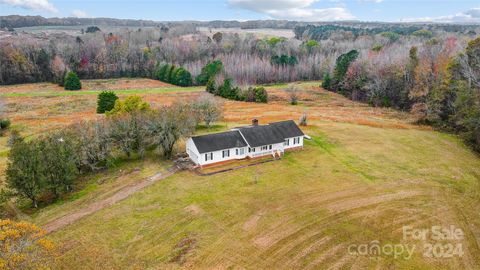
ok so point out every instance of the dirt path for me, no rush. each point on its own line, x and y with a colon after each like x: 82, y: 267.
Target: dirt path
x: 96, y: 206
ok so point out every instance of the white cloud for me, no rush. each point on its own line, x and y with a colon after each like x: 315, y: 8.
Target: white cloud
x: 79, y: 13
x: 312, y: 14
x: 293, y: 10
x: 372, y: 1
x: 267, y: 5
x: 42, y: 5
x: 469, y: 16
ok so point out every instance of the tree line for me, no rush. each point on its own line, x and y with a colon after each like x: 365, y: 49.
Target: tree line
x: 439, y: 83
x: 247, y: 59
x: 50, y: 165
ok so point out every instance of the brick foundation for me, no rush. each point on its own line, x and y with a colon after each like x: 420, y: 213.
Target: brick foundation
x: 294, y: 149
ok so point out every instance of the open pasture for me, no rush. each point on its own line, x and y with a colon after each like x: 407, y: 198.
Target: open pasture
x: 366, y: 173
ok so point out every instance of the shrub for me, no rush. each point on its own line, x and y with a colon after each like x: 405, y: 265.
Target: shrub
x: 25, y: 246
x: 211, y: 86
x: 292, y: 92
x: 106, y: 101
x: 4, y: 124
x: 131, y: 104
x: 72, y: 82
x: 261, y: 95
x: 227, y: 90
x: 303, y: 120
x: 182, y: 77
x: 249, y: 95
x: 327, y: 81
x: 14, y: 138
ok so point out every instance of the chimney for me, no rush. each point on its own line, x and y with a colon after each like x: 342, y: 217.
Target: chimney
x: 254, y: 122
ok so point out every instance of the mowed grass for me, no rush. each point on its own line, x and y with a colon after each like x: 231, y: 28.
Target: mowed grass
x: 96, y: 92
x: 366, y: 173
x: 352, y: 184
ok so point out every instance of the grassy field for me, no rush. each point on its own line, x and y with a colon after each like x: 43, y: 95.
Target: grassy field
x: 366, y: 173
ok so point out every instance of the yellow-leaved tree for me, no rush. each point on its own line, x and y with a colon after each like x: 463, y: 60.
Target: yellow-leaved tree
x: 24, y: 246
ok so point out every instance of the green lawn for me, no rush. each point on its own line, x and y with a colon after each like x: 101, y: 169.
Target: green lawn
x: 51, y: 93
x: 366, y: 173
x: 95, y: 92
x: 351, y: 184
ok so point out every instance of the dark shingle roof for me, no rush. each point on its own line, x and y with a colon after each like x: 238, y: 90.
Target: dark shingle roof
x: 261, y: 135
x: 219, y: 141
x: 287, y: 129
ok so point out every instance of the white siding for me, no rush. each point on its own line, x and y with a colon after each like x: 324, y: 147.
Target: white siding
x: 276, y: 148
x: 292, y: 144
x: 217, y: 156
x: 192, y: 151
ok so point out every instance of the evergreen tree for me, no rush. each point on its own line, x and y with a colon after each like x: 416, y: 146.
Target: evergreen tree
x: 170, y: 75
x: 341, y: 67
x: 72, y: 82
x: 106, y: 101
x: 261, y: 95
x: 161, y: 71
x: 209, y: 71
x: 182, y: 77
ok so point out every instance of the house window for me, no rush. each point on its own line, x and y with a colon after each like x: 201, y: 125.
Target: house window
x: 265, y: 147
x: 287, y: 142
x: 249, y: 150
x: 270, y: 147
x: 240, y: 151
x: 296, y: 140
x: 225, y: 153
x: 208, y: 156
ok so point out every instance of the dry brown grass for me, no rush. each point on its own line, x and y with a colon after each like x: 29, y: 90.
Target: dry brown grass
x: 367, y: 173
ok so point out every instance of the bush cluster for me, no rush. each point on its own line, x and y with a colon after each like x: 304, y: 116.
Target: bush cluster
x: 229, y: 91
x: 174, y: 75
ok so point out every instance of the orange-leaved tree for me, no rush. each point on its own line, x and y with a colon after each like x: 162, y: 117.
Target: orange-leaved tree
x: 24, y: 246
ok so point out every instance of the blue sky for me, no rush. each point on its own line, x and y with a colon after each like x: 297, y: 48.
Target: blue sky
x: 302, y: 10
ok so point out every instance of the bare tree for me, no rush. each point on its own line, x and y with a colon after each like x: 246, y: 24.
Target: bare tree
x: 208, y: 109
x: 167, y: 125
x: 293, y: 94
x: 93, y: 144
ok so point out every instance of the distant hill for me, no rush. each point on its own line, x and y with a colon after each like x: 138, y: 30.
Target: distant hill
x: 17, y: 21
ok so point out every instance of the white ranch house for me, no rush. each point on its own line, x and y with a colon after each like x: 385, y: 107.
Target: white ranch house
x: 245, y: 142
